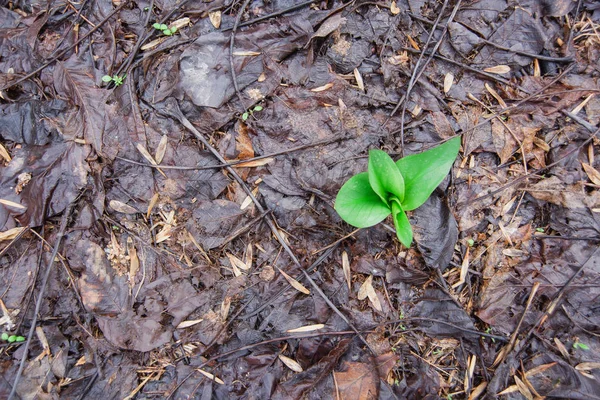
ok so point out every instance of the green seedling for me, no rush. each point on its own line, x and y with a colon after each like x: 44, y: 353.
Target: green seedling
x: 164, y: 29
x: 248, y: 113
x: 387, y: 188
x: 12, y: 338
x: 579, y: 345
x: 116, y: 79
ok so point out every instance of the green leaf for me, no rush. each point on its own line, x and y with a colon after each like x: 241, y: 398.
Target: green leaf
x: 384, y: 176
x: 20, y: 339
x: 156, y: 25
x: 244, y: 116
x: 402, y: 224
x: 258, y: 108
x: 174, y: 29
x: 167, y: 32
x: 423, y: 172
x: 4, y: 336
x: 12, y: 338
x: 106, y: 78
x: 162, y: 27
x: 358, y: 204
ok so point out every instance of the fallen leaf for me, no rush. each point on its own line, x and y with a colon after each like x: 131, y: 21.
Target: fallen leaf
x: 322, y: 88
x: 210, y: 376
x: 121, y: 207
x: 448, y: 81
x: 359, y: 79
x: 346, y: 269
x: 306, y: 328
x: 215, y: 18
x: 161, y: 149
x: 290, y: 363
x: 11, y: 233
x: 246, y: 53
x: 12, y: 204
x: 498, y: 69
x: 359, y: 382
x: 295, y: 284
x: 592, y: 173
x: 187, y: 324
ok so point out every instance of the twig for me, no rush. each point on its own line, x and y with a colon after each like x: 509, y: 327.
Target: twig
x: 61, y: 233
x: 231, y: 43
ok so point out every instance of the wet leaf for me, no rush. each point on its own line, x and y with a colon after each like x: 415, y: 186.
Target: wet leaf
x: 359, y: 381
x: 290, y: 363
x: 295, y: 284
x: 592, y: 173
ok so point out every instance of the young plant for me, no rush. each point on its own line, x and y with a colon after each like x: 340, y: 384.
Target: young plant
x: 12, y: 338
x: 116, y: 79
x: 164, y: 29
x: 251, y: 112
x: 387, y: 188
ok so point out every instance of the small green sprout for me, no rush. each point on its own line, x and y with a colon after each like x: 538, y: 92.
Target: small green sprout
x: 392, y: 188
x: 116, y: 79
x: 471, y: 242
x: 12, y: 338
x: 164, y: 29
x: 541, y: 230
x: 248, y: 113
x: 582, y: 346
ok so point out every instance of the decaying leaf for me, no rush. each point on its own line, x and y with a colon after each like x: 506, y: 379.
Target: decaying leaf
x: 215, y: 18
x: 498, y: 69
x: 359, y: 79
x: 161, y: 149
x: 592, y: 173
x: 11, y: 233
x: 448, y: 81
x: 322, y: 88
x: 211, y: 376
x: 121, y: 207
x: 187, y: 324
x: 12, y: 204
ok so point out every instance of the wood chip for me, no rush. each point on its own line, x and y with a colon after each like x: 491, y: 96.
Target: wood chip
x: 346, y: 269
x: 295, y: 284
x: 290, y: 363
x: 121, y: 207
x: 215, y: 18
x: 498, y: 69
x: 448, y: 81
x: 306, y: 328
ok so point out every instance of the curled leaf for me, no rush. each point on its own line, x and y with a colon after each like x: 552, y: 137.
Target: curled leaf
x: 358, y: 204
x: 384, y: 176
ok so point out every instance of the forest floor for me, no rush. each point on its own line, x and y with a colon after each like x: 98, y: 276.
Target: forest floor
x: 167, y: 227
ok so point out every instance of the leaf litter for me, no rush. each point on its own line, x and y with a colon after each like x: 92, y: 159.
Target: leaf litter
x: 167, y: 282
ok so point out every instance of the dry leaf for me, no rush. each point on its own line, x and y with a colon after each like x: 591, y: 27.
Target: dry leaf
x: 523, y: 388
x: 151, y: 205
x: 236, y: 262
x: 11, y: 233
x: 414, y: 44
x: 498, y: 69
x: 582, y: 104
x: 448, y: 81
x: 134, y: 261
x: 261, y: 78
x: 4, y: 153
x: 322, y: 88
x: 539, y: 369
x: 121, y: 207
x: 295, y: 284
x: 152, y: 44
x: 225, y: 306
x: 164, y: 234
x: 495, y: 95
x: 291, y: 363
x: 367, y: 290
x: 359, y: 80
x: 12, y: 204
x: 247, y: 201
x: 587, y: 366
x: 145, y: 154
x: 346, y: 268
x: 592, y: 173
x: 358, y: 381
x: 306, y: 328
x: 161, y: 149
x: 255, y: 163
x: 464, y: 268
x: 246, y: 53
x: 187, y: 324
x: 477, y: 391
x: 211, y: 376
x: 215, y: 18
x: 328, y: 26
x: 394, y: 8
x: 248, y: 256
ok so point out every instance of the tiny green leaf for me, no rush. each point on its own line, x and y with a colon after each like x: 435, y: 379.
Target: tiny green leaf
x: 402, y: 224
x: 167, y: 32
x: 156, y: 25
x: 582, y: 346
x: 358, y: 204
x: 162, y: 27
x: 174, y: 29
x: 423, y: 172
x: 244, y: 116
x: 258, y: 108
x: 384, y: 176
x: 12, y: 338
x: 4, y: 336
x: 471, y: 242
x: 20, y: 339
x: 106, y: 78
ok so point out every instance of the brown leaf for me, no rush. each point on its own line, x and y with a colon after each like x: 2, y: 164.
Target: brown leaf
x: 291, y: 363
x: 306, y: 328
x: 215, y: 18
x: 592, y: 173
x: 359, y: 382
x: 161, y: 149
x: 121, y: 207
x: 295, y: 284
x: 498, y: 69
x: 346, y: 269
x: 11, y: 233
